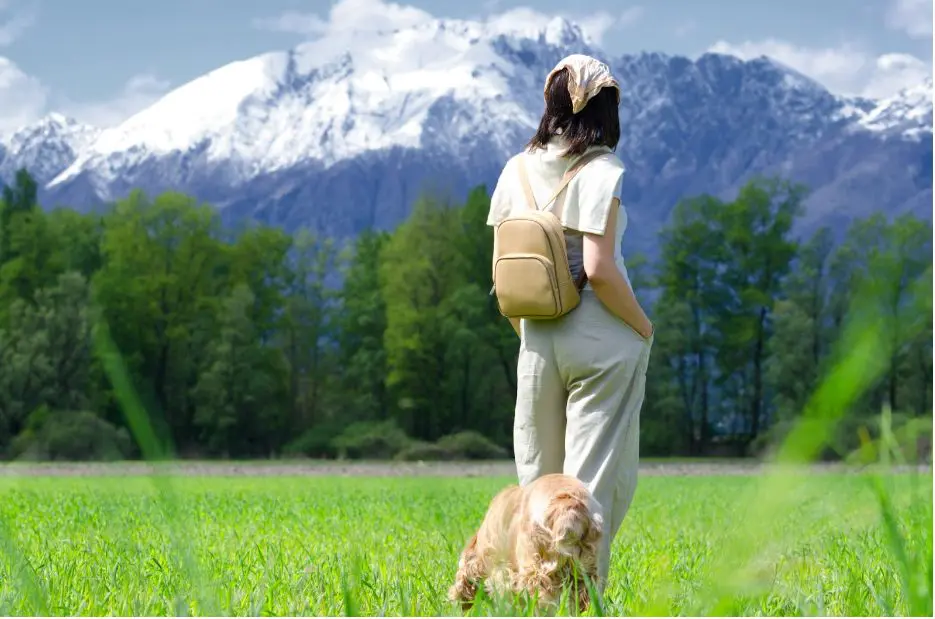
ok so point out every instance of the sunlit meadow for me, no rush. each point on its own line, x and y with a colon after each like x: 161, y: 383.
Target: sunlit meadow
x: 389, y: 546
x: 788, y: 541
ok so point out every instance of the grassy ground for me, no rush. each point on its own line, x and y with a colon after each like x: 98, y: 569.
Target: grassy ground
x: 790, y: 544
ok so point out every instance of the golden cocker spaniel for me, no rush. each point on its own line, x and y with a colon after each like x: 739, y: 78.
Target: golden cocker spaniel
x: 534, y: 539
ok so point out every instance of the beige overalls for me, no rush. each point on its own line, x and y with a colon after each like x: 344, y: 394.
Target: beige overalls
x: 581, y: 378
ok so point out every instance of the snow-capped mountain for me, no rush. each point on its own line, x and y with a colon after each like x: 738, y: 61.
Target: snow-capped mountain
x: 908, y: 114
x: 281, y: 109
x: 45, y: 148
x: 346, y: 132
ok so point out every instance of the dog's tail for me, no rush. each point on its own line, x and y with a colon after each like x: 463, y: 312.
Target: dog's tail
x: 576, y: 525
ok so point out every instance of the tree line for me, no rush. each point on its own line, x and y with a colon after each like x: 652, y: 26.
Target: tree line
x: 254, y: 343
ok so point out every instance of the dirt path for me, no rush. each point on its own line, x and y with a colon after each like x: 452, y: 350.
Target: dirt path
x: 362, y: 469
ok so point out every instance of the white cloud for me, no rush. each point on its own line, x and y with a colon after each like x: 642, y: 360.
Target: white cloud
x: 595, y: 25
x: 369, y: 15
x: 22, y: 98
x: 835, y: 68
x: 138, y: 93
x: 347, y: 16
x: 685, y: 28
x: 630, y: 15
x: 292, y: 22
x: 914, y: 17
x: 892, y: 72
x: 14, y: 21
x: 846, y: 69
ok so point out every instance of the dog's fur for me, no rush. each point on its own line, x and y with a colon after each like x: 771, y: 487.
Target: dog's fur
x: 535, y: 539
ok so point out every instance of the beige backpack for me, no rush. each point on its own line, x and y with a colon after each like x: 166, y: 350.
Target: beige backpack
x: 531, y: 276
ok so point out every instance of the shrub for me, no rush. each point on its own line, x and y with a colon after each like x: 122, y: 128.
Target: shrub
x: 377, y: 440
x: 471, y: 445
x: 316, y: 442
x: 71, y: 435
x: 911, y: 437
x: 424, y: 451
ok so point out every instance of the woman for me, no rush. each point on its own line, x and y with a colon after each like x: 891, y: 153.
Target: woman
x: 581, y: 377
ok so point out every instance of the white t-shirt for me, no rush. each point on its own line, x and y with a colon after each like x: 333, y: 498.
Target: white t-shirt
x: 587, y: 201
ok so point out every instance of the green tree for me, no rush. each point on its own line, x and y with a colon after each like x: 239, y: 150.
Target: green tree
x: 686, y: 310
x: 32, y: 256
x: 309, y: 314
x: 421, y: 268
x: 801, y: 329
x: 17, y: 199
x: 874, y: 271
x: 239, y: 392
x: 481, y: 338
x: 77, y: 240
x: 667, y: 426
x: 259, y: 259
x: 906, y: 261
x: 361, y: 328
x: 45, y: 354
x: 757, y: 253
x: 159, y: 291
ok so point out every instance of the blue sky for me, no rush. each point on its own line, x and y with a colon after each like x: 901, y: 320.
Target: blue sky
x: 102, y: 60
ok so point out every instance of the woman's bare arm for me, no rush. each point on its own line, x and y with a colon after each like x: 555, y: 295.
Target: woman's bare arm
x: 606, y: 279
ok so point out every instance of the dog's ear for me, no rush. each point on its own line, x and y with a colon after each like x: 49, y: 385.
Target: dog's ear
x: 596, y: 528
x: 469, y: 571
x: 584, y: 598
x: 469, y: 554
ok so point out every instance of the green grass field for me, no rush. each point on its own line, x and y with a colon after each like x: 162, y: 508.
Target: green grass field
x: 819, y: 544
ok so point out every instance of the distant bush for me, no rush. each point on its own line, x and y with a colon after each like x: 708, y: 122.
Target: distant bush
x: 471, y: 445
x: 429, y: 452
x: 856, y: 439
x: 316, y: 442
x: 376, y: 440
x: 911, y: 437
x: 72, y: 436
x: 383, y: 440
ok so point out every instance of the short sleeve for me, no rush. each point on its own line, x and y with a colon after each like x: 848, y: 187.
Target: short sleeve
x: 591, y: 193
x: 500, y: 198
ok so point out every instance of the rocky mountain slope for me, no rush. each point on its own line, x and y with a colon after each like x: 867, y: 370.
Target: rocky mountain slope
x: 45, y: 148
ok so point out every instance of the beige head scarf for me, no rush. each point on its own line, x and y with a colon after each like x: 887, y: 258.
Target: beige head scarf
x: 586, y: 77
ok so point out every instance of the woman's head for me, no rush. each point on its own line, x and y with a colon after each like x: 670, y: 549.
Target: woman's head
x: 581, y: 103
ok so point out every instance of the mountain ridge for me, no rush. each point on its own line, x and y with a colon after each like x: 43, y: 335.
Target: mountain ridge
x: 345, y: 133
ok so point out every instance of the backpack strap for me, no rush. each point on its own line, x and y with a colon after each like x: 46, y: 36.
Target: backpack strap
x: 527, y: 188
x: 572, y: 171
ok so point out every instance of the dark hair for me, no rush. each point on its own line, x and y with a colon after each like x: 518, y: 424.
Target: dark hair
x: 597, y: 124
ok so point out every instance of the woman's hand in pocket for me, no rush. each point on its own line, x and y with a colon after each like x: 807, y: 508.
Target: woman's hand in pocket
x: 648, y: 330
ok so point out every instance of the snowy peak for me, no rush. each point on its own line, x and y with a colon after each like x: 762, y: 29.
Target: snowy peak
x: 45, y: 147
x: 54, y: 127
x: 442, y: 84
x: 343, y: 95
x: 908, y: 113
x: 557, y: 31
